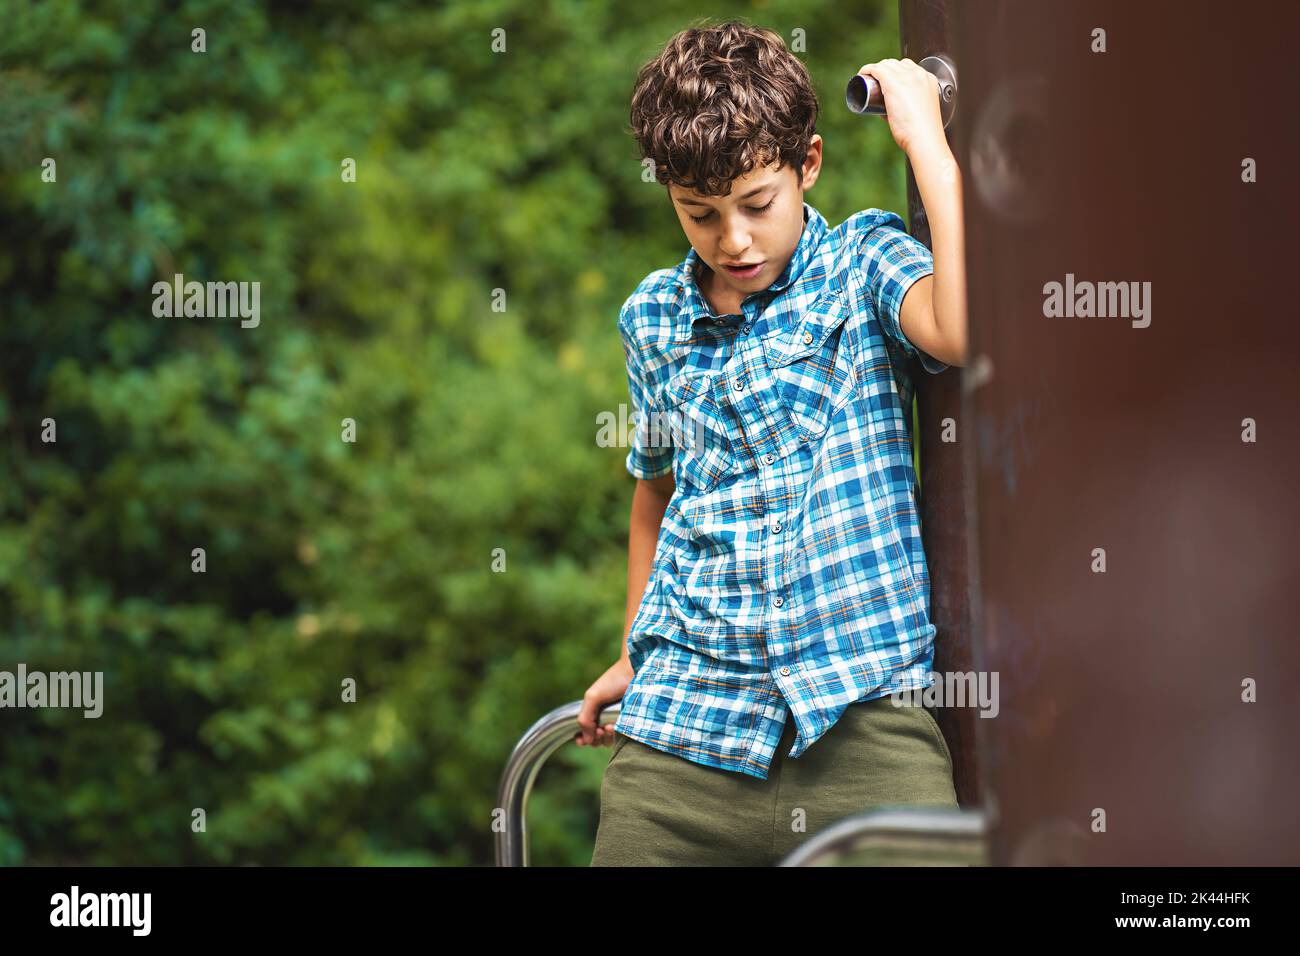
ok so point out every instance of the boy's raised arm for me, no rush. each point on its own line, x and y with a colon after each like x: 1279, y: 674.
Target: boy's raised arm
x: 933, y: 314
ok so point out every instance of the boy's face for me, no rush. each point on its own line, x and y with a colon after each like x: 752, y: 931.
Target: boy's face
x: 757, y: 224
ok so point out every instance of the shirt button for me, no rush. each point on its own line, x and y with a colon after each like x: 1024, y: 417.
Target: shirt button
x: 785, y: 672
x: 807, y: 338
x: 776, y: 528
x: 778, y: 600
x: 740, y: 384
x: 769, y: 458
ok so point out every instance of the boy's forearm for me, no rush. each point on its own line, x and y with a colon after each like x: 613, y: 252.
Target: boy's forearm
x: 648, y: 507
x: 938, y: 180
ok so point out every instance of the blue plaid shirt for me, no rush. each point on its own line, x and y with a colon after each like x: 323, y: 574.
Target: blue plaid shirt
x: 789, y: 578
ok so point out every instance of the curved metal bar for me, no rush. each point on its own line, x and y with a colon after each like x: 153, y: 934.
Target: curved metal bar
x: 535, y: 747
x: 932, y: 836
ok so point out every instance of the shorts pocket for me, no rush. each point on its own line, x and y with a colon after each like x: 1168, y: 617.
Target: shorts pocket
x: 620, y: 741
x: 938, y: 733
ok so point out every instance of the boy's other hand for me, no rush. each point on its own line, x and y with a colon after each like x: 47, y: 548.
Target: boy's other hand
x: 607, y: 689
x: 911, y: 102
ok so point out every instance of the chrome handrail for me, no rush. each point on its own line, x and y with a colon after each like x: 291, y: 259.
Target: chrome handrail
x: 537, y: 744
x: 928, y: 836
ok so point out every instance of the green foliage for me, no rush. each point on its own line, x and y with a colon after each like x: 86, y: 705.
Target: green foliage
x: 475, y: 428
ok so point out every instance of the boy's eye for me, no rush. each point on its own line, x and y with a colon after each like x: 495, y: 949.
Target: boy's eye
x: 757, y: 210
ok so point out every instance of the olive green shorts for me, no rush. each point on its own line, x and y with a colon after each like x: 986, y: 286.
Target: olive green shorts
x: 658, y: 809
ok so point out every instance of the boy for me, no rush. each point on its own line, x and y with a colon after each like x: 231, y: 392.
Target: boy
x: 777, y: 589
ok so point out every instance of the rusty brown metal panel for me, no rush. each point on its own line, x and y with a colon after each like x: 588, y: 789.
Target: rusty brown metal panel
x: 1121, y: 691
x: 924, y: 26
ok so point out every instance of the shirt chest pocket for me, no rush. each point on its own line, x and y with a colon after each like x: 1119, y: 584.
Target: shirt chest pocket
x: 813, y: 364
x: 698, y: 420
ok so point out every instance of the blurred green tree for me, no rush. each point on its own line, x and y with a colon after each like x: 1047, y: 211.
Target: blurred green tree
x: 474, y: 428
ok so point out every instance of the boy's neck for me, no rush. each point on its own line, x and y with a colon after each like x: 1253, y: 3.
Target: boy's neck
x: 723, y: 301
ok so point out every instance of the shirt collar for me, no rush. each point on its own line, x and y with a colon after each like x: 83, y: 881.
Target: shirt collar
x: 693, y: 307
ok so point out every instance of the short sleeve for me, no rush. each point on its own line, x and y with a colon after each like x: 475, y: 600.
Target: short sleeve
x: 651, y: 455
x: 891, y: 263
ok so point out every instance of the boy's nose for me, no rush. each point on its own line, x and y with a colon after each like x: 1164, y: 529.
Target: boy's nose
x: 735, y: 240
x: 739, y: 243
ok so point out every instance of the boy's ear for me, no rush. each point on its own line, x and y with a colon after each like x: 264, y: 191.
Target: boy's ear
x: 812, y: 163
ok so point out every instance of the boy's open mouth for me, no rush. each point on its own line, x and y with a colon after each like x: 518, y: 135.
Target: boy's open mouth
x: 745, y: 272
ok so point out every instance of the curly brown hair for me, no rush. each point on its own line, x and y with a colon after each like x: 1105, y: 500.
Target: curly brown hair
x: 720, y: 101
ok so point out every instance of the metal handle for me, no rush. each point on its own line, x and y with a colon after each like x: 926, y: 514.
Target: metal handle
x: 925, y: 836
x: 863, y: 94
x: 534, y: 748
